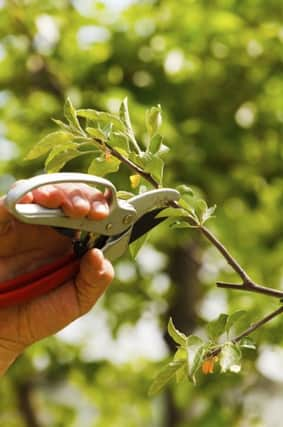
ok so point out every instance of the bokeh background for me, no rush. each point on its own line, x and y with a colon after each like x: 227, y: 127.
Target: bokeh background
x: 215, y: 66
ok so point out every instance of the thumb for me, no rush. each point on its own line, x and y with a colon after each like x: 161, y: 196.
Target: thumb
x: 5, y: 216
x: 51, y: 312
x: 96, y: 273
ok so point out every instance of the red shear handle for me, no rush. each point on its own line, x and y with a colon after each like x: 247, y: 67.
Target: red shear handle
x: 38, y: 282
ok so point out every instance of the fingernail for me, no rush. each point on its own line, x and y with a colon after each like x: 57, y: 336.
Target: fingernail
x: 79, y: 201
x: 99, y: 207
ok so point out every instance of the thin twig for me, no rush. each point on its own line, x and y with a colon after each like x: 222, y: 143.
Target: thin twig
x: 249, y: 330
x: 251, y: 287
x: 226, y: 254
x: 258, y: 324
x: 135, y: 168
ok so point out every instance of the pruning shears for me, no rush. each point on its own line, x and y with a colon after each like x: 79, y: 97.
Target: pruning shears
x: 127, y: 221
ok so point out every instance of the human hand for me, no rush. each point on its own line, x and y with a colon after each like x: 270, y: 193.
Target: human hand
x: 25, y: 247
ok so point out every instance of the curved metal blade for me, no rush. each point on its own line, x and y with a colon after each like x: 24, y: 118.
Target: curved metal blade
x: 146, y: 223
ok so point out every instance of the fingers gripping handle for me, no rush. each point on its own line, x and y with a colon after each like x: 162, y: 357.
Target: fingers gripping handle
x: 121, y: 215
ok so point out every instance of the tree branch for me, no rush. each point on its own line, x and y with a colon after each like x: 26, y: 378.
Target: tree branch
x: 249, y: 330
x: 226, y: 254
x: 251, y: 287
x: 248, y: 284
x: 258, y: 324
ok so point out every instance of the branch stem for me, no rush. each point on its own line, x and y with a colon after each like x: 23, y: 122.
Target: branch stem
x: 135, y: 168
x: 248, y: 284
x: 226, y: 254
x: 249, y: 330
x: 251, y: 287
x: 258, y: 324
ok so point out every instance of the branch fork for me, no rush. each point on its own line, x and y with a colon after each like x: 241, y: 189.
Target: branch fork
x: 247, y: 284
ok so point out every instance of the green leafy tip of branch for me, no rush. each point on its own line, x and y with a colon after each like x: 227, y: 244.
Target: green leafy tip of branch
x: 107, y: 139
x: 195, y: 355
x: 192, y: 212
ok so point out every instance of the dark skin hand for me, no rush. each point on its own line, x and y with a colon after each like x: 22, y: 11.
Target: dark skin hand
x: 25, y: 247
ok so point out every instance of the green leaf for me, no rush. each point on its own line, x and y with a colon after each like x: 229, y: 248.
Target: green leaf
x: 175, y: 334
x: 90, y: 147
x: 163, y: 149
x: 216, y: 327
x: 151, y: 163
x: 107, y: 129
x: 200, y: 208
x: 184, y: 189
x: 230, y: 358
x: 194, y: 340
x: 196, y: 350
x: 181, y: 354
x: 181, y: 225
x: 124, y: 195
x: 182, y: 373
x: 185, y: 202
x: 172, y: 212
x: 125, y: 117
x: 119, y: 140
x: 59, y: 156
x: 96, y: 133
x: 71, y: 115
x: 48, y: 142
x: 247, y: 342
x: 164, y: 376
x: 208, y: 214
x: 193, y: 205
x: 137, y: 159
x: 233, y: 318
x: 153, y: 120
x: 154, y: 165
x: 137, y: 245
x: 101, y: 116
x: 101, y: 166
x: 155, y: 144
x: 63, y: 125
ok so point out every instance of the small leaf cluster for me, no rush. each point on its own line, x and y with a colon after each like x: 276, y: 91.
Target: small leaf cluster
x: 195, y: 355
x: 192, y: 212
x: 107, y: 139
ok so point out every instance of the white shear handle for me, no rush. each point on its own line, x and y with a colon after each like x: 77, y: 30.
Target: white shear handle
x: 121, y: 216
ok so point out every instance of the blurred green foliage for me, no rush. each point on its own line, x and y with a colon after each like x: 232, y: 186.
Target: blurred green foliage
x: 215, y: 67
